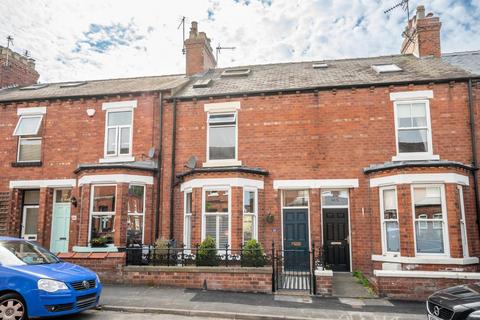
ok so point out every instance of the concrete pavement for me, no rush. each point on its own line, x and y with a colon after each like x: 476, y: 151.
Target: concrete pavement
x: 111, y: 315
x: 231, y: 305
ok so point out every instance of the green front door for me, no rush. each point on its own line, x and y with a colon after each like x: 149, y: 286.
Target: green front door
x: 60, y: 221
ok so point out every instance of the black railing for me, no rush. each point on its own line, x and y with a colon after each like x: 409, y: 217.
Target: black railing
x: 197, y: 256
x: 291, y: 269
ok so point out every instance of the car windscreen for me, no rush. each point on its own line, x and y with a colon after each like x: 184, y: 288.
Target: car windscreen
x: 19, y: 253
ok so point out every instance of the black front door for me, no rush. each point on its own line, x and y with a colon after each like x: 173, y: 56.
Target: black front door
x: 295, y: 240
x: 335, y: 239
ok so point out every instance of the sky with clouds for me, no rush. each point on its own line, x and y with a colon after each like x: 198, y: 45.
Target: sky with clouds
x: 92, y: 39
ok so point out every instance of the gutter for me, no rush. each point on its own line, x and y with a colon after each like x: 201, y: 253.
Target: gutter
x: 158, y: 217
x: 473, y: 134
x: 320, y: 88
x: 173, y: 178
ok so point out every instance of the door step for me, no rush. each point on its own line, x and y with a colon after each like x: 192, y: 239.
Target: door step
x: 289, y: 296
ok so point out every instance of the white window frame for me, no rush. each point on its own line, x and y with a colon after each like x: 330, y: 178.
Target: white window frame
x: 463, y: 223
x: 32, y: 237
x: 92, y: 213
x: 187, y: 233
x: 383, y: 221
x: 137, y: 213
x: 222, y: 161
x: 229, y: 213
x: 253, y: 214
x: 27, y: 117
x: 20, y: 139
x: 118, y: 132
x: 428, y: 155
x: 444, y: 221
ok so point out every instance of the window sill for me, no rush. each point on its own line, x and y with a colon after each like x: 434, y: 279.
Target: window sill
x: 434, y: 259
x: 117, y: 159
x: 222, y: 163
x: 109, y: 248
x: 415, y: 156
x: 26, y: 164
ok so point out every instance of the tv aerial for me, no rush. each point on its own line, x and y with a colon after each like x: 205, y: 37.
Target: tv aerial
x: 9, y: 42
x: 219, y: 48
x: 403, y: 4
x: 182, y: 24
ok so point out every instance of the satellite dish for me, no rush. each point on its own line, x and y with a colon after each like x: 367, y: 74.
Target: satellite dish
x: 192, y: 162
x: 151, y: 152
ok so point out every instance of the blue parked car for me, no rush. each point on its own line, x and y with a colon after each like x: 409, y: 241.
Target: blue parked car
x: 35, y: 283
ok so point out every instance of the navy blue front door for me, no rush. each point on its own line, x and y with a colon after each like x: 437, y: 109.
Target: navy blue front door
x: 295, y: 240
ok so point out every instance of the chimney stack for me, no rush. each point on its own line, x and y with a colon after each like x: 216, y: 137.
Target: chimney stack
x: 199, y: 53
x: 422, y: 35
x: 16, y: 69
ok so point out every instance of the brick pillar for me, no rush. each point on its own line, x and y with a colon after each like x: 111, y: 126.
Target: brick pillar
x: 149, y: 217
x: 42, y: 216
x: 82, y: 226
x: 453, y: 223
x: 405, y: 219
x: 196, y: 216
x: 121, y: 212
x: 315, y: 219
x: 74, y: 219
x: 236, y: 216
x: 14, y: 225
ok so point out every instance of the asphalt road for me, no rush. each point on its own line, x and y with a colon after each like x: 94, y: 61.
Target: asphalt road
x: 110, y: 315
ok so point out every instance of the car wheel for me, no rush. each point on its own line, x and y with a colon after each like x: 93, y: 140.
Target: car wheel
x: 12, y: 307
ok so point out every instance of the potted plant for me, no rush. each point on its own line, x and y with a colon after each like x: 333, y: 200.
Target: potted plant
x: 100, y: 242
x: 253, y: 254
x: 207, y: 253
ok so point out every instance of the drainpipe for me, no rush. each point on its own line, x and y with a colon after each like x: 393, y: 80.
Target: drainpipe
x: 473, y: 134
x: 158, y: 218
x: 172, y: 182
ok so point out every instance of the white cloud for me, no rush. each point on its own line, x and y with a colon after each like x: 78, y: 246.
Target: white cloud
x: 58, y: 34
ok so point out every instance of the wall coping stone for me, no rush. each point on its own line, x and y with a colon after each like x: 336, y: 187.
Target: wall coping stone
x: 193, y: 269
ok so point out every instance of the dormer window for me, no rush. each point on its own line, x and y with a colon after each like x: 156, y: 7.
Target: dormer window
x: 28, y: 131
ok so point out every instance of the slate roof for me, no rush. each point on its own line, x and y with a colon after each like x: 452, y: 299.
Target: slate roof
x: 301, y: 75
x: 95, y: 88
x: 468, y: 60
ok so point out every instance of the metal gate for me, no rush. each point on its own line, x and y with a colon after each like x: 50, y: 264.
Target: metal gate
x: 294, y: 270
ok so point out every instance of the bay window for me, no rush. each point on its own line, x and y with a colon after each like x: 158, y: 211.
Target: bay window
x: 389, y: 218
x: 430, y: 219
x: 250, y: 214
x: 102, y: 212
x: 216, y: 216
x: 136, y: 215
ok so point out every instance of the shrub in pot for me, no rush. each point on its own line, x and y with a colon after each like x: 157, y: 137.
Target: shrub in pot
x: 100, y: 242
x: 253, y: 254
x: 207, y: 253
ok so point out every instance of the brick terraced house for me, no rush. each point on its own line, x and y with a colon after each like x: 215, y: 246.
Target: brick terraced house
x: 372, y: 159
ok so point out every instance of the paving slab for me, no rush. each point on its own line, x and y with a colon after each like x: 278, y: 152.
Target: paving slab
x: 220, y: 304
x: 346, y: 285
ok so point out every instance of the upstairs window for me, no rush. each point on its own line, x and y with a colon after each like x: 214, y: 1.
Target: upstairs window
x: 118, y: 133
x: 222, y: 136
x: 414, y: 134
x: 29, y: 139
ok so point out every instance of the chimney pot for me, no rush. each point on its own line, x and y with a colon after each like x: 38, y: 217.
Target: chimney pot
x: 194, y: 30
x: 420, y: 12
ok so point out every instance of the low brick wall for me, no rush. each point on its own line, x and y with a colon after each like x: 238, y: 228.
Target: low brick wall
x: 109, y: 266
x: 215, y: 278
x: 112, y: 270
x: 407, y: 288
x: 324, y: 281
